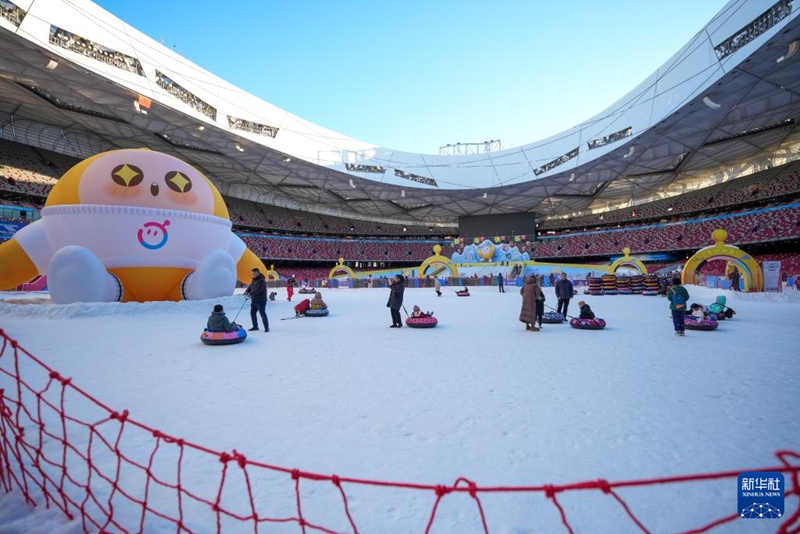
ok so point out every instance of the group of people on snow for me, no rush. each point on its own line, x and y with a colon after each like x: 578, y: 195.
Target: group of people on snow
x: 533, y: 300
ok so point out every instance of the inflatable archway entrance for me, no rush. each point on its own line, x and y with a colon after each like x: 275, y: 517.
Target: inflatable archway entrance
x: 437, y: 264
x: 341, y: 269
x: 748, y: 267
x: 272, y: 274
x: 627, y: 261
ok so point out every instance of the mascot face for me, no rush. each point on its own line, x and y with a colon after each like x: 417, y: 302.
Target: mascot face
x: 138, y: 178
x: 486, y: 250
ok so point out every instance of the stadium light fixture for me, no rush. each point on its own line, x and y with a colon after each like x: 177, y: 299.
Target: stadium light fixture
x: 402, y: 192
x: 792, y: 50
x: 485, y: 194
x: 710, y: 103
x: 352, y: 184
x: 238, y: 147
x: 201, y: 128
x: 287, y: 159
x: 51, y: 65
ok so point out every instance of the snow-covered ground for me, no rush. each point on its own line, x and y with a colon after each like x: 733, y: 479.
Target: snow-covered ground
x: 476, y: 397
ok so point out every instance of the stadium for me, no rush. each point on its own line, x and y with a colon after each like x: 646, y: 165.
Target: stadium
x: 709, y: 141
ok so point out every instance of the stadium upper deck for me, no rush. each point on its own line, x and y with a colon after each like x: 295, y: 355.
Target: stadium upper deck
x: 76, y: 79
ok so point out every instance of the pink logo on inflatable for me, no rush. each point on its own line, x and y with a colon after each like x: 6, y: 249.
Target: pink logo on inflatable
x: 153, y: 235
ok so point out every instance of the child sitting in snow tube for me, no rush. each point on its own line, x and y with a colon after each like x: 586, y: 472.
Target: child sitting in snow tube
x: 317, y: 307
x: 419, y: 319
x: 463, y: 293
x: 307, y: 290
x: 720, y: 309
x: 220, y: 331
x: 587, y: 320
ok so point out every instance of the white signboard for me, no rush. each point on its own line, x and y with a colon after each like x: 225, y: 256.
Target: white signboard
x: 772, y: 275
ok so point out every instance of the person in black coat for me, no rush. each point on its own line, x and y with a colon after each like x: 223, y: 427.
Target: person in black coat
x: 586, y: 311
x: 564, y: 292
x: 396, y: 289
x: 540, y: 307
x: 257, y: 291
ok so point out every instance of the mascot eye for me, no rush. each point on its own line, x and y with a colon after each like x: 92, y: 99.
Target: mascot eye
x: 127, y: 175
x: 178, y: 182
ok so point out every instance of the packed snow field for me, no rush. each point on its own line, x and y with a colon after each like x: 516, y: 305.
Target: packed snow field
x: 476, y: 397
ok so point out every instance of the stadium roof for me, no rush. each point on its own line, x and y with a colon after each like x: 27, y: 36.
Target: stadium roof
x: 730, y: 95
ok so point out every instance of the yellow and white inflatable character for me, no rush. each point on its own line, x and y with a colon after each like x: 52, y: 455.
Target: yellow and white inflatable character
x: 130, y: 225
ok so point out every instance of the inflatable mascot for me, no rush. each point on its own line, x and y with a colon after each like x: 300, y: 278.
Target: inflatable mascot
x: 130, y: 225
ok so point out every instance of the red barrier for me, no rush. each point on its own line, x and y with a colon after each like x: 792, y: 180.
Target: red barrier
x: 51, y: 455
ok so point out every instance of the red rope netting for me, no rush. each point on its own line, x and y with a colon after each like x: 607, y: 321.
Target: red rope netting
x: 63, y: 448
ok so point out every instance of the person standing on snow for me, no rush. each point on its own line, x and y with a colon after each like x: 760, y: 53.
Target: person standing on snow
x: 396, y: 289
x: 564, y: 292
x: 530, y: 292
x: 678, y: 297
x: 291, y: 283
x: 257, y: 292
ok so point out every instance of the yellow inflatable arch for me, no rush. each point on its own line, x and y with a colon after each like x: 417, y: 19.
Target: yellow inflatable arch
x: 628, y: 261
x: 272, y: 274
x: 436, y: 264
x: 748, y: 267
x: 340, y: 269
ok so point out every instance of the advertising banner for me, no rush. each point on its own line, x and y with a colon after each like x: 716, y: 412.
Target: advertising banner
x: 772, y: 275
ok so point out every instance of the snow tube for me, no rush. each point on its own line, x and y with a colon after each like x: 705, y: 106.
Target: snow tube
x: 693, y: 323
x: 462, y: 293
x: 552, y: 318
x: 427, y: 321
x: 587, y: 324
x: 223, y: 338
x: 317, y: 313
x: 307, y: 291
x: 720, y: 312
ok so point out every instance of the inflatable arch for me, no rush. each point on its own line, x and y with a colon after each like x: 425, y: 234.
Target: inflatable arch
x: 748, y: 267
x: 341, y: 269
x: 627, y: 261
x: 272, y: 274
x: 436, y: 264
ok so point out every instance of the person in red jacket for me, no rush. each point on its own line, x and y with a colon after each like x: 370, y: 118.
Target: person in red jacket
x: 291, y: 283
x: 302, y: 307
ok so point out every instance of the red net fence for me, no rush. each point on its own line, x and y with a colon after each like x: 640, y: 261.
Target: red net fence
x: 61, y: 448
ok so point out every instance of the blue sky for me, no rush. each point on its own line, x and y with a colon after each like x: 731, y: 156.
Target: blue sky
x: 416, y: 75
